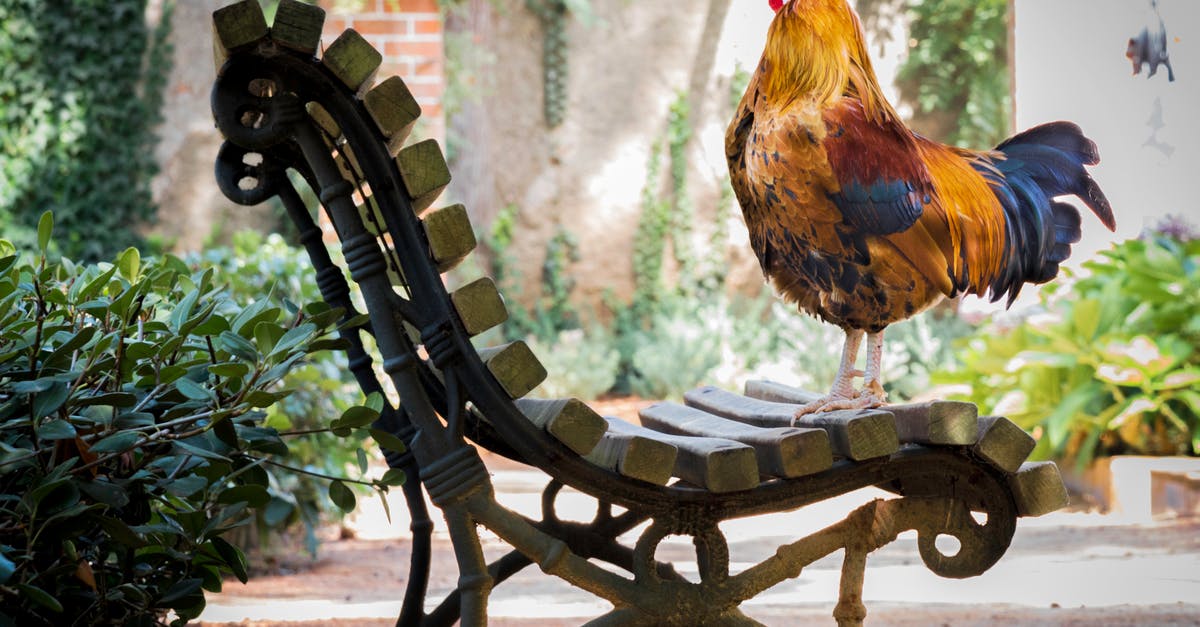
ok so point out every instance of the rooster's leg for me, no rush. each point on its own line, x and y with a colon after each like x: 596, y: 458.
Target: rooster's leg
x: 842, y: 394
x: 843, y: 385
x: 872, y: 386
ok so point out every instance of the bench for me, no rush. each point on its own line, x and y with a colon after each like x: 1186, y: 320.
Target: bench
x: 283, y: 104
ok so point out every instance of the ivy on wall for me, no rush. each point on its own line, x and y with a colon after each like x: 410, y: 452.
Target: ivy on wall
x: 81, y: 85
x: 553, y: 16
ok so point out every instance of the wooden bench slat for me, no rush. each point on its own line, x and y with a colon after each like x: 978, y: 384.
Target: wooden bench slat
x: 781, y: 451
x: 515, y: 367
x: 936, y: 422
x: 715, y: 464
x: 298, y: 26
x: 778, y: 393
x: 568, y: 420
x: 394, y: 110
x: 353, y: 61
x: 633, y: 455
x: 1038, y: 489
x: 479, y: 305
x: 450, y: 236
x: 932, y: 422
x: 236, y: 26
x: 1003, y: 443
x: 856, y: 435
x: 424, y: 171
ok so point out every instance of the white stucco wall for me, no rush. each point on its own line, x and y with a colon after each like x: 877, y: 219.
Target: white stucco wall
x: 1070, y: 64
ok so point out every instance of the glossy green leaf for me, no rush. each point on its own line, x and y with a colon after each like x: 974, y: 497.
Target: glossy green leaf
x: 48, y: 402
x: 238, y: 346
x: 129, y: 264
x: 117, y: 442
x: 194, y: 390
x: 45, y: 230
x: 393, y: 477
x: 7, y: 568
x: 56, y: 430
x: 233, y: 558
x: 266, y: 334
x: 252, y: 495
x: 356, y: 417
x: 186, y: 486
x: 36, y: 594
x: 388, y: 441
x: 341, y: 496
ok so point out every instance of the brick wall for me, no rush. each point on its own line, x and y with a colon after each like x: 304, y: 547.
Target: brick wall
x: 409, y: 34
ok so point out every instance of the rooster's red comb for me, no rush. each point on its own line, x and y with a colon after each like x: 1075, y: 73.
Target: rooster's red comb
x: 776, y: 5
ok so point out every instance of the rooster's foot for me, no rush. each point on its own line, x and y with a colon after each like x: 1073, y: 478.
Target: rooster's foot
x: 866, y: 399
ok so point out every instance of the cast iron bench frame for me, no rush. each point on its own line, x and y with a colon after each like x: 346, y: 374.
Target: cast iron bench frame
x: 281, y: 106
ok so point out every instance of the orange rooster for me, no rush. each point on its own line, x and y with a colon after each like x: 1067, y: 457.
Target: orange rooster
x: 862, y: 222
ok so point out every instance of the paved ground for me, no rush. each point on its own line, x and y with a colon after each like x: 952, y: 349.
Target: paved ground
x: 1062, y: 569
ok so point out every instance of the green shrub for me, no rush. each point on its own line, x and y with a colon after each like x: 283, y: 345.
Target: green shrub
x: 580, y: 363
x: 131, y: 435
x: 1112, y: 366
x: 257, y: 267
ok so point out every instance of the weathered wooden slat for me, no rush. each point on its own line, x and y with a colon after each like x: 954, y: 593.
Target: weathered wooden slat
x: 450, y: 236
x: 933, y: 422
x: 778, y: 392
x: 1003, y: 443
x: 857, y: 435
x: 236, y: 26
x: 781, y: 451
x: 298, y: 26
x: 424, y: 171
x: 515, y: 367
x: 633, y: 455
x: 936, y: 422
x: 568, y: 420
x: 353, y: 61
x: 715, y: 464
x: 394, y: 110
x: 479, y: 305
x: 1038, y: 489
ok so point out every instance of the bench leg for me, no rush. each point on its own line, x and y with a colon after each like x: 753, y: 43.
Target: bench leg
x: 474, y: 582
x: 850, y: 610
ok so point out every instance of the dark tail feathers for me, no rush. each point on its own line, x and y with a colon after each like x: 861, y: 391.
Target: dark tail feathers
x: 1038, y: 165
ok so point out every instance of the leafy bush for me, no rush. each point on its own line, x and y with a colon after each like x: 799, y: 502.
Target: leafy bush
x: 580, y: 363
x: 258, y: 267
x: 1112, y: 367
x: 131, y: 435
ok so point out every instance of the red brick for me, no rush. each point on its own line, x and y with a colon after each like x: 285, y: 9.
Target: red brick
x: 335, y: 25
x: 427, y: 27
x: 410, y: 6
x: 422, y: 49
x: 367, y: 28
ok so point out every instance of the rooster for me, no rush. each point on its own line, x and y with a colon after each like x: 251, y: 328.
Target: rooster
x: 862, y: 222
